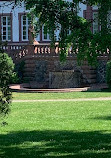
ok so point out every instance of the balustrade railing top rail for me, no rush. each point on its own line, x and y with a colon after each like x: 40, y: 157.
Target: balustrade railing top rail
x: 14, y: 46
x: 46, y: 49
x: 41, y: 49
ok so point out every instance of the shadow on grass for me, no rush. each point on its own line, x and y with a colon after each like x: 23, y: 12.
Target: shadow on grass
x: 108, y: 118
x: 51, y: 144
x: 98, y: 90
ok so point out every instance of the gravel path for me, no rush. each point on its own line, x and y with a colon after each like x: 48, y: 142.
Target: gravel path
x: 64, y: 100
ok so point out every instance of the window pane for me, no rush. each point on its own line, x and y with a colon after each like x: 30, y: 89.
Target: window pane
x: 4, y: 33
x: 4, y: 23
x: 4, y: 18
x: 4, y: 28
x: 45, y: 32
x: 9, y: 37
x: 24, y: 28
x: 95, y: 22
x: 109, y: 20
x: 24, y: 17
x: 24, y: 22
x: 4, y: 37
x: 29, y: 21
x: 9, y: 20
x: 45, y: 36
x: 24, y: 37
x: 9, y: 28
x: 9, y: 33
x: 24, y: 33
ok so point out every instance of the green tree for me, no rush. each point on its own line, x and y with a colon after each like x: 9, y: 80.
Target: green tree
x: 6, y: 74
x: 62, y: 15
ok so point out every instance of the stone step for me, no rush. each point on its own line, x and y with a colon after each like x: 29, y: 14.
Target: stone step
x: 91, y: 76
x: 29, y: 65
x: 90, y: 81
x: 29, y: 74
x: 35, y: 84
x: 28, y: 69
x: 28, y: 78
x: 30, y: 61
x: 89, y: 71
x: 86, y: 67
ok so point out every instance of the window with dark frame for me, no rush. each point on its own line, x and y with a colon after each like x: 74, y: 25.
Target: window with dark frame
x: 95, y: 22
x: 6, y: 28
x: 25, y: 22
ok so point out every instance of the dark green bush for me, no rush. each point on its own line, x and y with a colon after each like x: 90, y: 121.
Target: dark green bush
x: 108, y: 73
x: 14, y: 78
x: 6, y: 69
x: 6, y: 75
x: 19, y: 69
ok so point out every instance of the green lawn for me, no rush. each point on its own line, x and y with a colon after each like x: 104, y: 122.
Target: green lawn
x: 57, y: 129
x: 71, y: 95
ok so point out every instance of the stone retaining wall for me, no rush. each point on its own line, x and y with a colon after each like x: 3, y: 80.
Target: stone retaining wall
x: 38, y: 69
x: 40, y: 60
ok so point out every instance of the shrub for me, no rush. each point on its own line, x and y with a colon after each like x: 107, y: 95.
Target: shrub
x: 6, y: 74
x: 19, y: 69
x: 108, y: 73
x: 14, y: 78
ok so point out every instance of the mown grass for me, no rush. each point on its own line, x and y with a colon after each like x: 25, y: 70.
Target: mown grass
x: 57, y: 129
x: 71, y: 95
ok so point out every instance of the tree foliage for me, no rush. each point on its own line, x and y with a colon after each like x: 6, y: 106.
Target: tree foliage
x: 62, y: 15
x: 6, y: 73
x: 108, y: 73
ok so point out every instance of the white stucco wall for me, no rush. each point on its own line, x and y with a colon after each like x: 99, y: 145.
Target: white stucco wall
x: 16, y: 22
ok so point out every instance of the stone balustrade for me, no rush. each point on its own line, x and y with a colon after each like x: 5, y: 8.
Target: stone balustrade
x: 19, y: 50
x: 41, y: 49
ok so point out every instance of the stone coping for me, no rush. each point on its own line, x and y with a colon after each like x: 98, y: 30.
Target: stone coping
x: 23, y: 88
